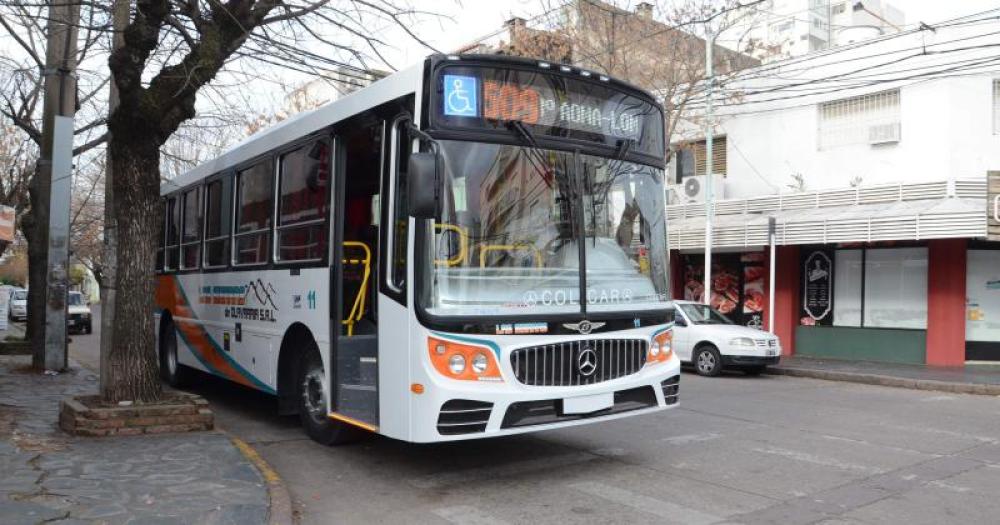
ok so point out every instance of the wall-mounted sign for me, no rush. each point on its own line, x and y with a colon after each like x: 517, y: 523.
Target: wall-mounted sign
x: 6, y: 223
x: 817, y: 288
x: 993, y: 205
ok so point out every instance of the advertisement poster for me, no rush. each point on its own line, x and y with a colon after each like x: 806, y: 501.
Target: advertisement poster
x: 817, y: 286
x: 738, y: 287
x: 982, y: 319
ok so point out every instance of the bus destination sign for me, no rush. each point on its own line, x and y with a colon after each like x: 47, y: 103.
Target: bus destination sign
x: 550, y: 104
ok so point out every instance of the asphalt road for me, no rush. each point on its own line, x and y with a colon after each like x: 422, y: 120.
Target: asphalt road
x: 739, y: 449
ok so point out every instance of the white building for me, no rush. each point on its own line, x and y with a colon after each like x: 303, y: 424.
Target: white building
x: 789, y: 28
x: 871, y: 159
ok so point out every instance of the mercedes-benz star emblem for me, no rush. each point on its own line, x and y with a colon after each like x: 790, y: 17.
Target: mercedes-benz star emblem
x: 584, y: 327
x: 586, y: 362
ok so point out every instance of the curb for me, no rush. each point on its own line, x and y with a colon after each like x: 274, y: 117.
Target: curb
x: 280, y: 508
x: 890, y: 381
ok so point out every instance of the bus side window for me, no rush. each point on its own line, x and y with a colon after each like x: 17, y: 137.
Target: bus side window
x: 254, y: 193
x: 173, y: 233
x: 191, y: 229
x: 218, y: 216
x: 304, y: 184
x: 399, y: 224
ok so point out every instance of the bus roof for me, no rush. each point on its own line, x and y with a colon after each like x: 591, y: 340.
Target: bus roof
x: 391, y: 87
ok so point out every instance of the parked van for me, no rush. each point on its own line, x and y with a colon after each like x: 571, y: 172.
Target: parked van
x: 18, y: 307
x: 78, y: 314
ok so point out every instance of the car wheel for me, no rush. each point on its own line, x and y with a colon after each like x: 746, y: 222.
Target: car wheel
x: 754, y: 370
x: 171, y: 370
x: 312, y: 403
x: 707, y: 361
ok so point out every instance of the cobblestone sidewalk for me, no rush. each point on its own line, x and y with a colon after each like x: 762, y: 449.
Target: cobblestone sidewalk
x: 50, y: 477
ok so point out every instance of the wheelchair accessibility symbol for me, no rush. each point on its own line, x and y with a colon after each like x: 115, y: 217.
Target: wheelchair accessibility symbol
x: 460, y: 94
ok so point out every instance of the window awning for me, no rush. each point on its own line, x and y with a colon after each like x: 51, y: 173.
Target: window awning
x: 949, y: 210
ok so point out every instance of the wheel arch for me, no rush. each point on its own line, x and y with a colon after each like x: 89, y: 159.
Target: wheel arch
x: 296, y: 337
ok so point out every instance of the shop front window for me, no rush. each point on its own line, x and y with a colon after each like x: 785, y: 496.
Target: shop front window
x: 880, y: 288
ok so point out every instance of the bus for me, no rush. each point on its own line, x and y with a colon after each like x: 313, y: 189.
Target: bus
x: 468, y: 248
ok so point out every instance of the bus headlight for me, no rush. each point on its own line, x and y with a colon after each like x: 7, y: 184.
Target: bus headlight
x: 479, y: 363
x: 660, y: 347
x: 456, y: 363
x: 463, y: 361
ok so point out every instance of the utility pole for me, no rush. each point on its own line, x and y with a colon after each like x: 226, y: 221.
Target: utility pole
x: 55, y: 168
x: 709, y: 139
x: 109, y: 261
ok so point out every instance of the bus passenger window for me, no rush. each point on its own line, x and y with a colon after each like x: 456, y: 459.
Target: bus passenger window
x: 254, y: 193
x: 218, y: 214
x: 304, y: 184
x: 191, y: 230
x: 173, y: 233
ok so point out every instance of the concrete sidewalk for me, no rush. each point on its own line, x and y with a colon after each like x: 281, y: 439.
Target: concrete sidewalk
x: 171, y: 478
x: 971, y: 379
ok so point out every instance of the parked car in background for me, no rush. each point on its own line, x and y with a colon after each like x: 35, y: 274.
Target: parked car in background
x: 18, y: 307
x: 711, y: 342
x: 78, y: 314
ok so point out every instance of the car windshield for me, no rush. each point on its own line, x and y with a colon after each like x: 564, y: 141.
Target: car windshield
x: 21, y: 295
x: 75, y: 299
x: 704, y: 314
x: 509, y: 241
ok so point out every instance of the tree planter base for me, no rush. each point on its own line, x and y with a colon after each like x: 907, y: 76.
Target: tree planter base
x: 15, y: 348
x: 86, y: 416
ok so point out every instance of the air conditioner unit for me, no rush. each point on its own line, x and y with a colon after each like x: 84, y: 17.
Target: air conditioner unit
x: 693, y: 189
x: 883, y: 133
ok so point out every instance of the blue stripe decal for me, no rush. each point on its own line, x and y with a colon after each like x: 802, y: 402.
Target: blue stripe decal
x: 464, y: 339
x: 225, y: 355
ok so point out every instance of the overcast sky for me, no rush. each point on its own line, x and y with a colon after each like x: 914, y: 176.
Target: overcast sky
x: 473, y: 19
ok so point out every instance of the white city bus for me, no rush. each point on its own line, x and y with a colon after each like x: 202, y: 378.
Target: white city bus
x: 472, y: 247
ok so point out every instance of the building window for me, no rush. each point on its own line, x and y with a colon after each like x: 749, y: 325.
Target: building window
x: 218, y: 217
x: 304, y: 184
x: 996, y: 106
x: 191, y: 229
x: 866, y: 119
x: 881, y: 288
x: 691, y: 158
x: 173, y: 233
x: 254, y: 193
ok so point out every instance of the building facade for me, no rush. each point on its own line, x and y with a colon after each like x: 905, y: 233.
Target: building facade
x: 788, y: 28
x: 869, y: 164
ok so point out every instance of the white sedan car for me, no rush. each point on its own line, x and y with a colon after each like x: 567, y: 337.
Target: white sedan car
x: 710, y: 341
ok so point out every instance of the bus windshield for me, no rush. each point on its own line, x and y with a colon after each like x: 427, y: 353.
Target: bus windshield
x: 517, y: 222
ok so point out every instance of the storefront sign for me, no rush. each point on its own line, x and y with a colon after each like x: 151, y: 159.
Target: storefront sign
x: 993, y: 206
x: 6, y: 223
x: 817, y: 287
x: 737, y: 285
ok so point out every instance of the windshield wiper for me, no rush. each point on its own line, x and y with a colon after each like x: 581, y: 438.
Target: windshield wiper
x: 535, y: 155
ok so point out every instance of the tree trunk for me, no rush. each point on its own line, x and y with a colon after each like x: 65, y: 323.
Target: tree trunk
x: 132, y: 361
x: 35, y: 225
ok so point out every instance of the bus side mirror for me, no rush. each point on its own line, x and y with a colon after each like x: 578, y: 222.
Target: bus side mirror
x: 423, y: 184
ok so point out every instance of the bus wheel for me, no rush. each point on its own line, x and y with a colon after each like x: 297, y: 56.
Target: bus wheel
x: 171, y: 370
x: 312, y: 403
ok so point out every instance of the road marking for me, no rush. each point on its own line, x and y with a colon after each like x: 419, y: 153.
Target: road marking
x: 670, y: 512
x: 497, y: 471
x: 691, y: 438
x: 817, y: 460
x: 466, y: 515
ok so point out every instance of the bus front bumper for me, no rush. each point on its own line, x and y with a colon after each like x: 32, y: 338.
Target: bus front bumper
x: 450, y: 413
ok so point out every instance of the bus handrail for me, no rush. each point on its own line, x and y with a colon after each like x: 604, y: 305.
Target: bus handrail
x: 358, y: 309
x: 486, y: 248
x: 463, y: 245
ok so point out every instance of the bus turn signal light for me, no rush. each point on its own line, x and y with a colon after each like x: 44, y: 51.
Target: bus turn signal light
x: 461, y: 361
x: 660, y: 348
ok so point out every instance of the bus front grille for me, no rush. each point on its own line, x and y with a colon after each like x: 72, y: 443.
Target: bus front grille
x: 463, y: 416
x: 575, y: 363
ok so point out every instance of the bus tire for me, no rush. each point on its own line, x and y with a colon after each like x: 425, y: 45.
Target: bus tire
x: 708, y: 361
x: 312, y: 403
x: 171, y: 370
